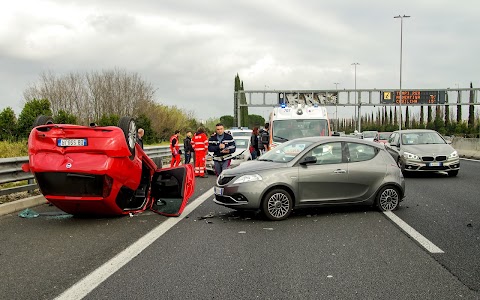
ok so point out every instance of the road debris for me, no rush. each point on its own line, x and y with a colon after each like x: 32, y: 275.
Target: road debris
x: 210, y: 215
x: 28, y: 214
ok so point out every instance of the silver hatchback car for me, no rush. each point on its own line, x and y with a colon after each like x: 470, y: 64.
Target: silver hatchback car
x: 310, y: 172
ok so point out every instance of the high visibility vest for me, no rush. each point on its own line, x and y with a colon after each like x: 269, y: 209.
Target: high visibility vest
x: 177, y: 146
x: 200, y: 142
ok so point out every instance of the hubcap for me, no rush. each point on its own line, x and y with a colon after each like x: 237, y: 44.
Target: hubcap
x: 389, y: 199
x: 132, y: 134
x: 278, y: 205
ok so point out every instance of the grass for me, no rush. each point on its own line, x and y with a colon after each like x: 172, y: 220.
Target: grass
x: 13, y: 149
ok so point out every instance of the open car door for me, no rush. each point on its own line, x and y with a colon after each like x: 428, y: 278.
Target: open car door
x: 171, y: 189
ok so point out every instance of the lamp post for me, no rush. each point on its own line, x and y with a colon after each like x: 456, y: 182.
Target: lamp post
x: 355, y: 64
x: 401, y: 50
x: 336, y: 105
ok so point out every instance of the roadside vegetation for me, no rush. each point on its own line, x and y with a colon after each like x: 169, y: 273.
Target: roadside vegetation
x: 13, y: 149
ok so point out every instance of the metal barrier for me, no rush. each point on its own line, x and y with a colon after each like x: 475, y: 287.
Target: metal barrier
x: 11, y: 169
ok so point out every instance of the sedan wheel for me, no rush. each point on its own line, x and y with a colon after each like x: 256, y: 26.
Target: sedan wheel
x: 277, y: 205
x: 388, y: 198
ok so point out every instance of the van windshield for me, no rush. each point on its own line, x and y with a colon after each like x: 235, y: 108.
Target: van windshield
x: 286, y: 130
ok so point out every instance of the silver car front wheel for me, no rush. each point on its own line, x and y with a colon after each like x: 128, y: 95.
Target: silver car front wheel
x: 388, y: 198
x: 277, y: 205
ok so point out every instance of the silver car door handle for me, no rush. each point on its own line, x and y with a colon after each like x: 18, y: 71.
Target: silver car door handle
x: 339, y: 171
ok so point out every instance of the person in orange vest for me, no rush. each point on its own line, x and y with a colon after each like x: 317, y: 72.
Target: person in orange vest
x: 200, y: 147
x: 175, y: 149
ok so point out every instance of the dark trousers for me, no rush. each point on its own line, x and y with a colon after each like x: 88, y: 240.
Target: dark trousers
x: 188, y: 157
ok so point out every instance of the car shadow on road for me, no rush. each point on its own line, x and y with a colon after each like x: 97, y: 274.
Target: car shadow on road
x: 428, y: 175
x: 257, y: 215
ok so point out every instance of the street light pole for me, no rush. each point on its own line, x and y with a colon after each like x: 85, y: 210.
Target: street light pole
x: 401, y: 50
x: 355, y: 65
x: 336, y: 105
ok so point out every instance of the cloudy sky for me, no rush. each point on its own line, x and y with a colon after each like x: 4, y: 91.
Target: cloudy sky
x: 190, y: 51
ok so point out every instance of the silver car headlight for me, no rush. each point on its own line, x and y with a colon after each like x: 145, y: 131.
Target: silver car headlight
x: 454, y: 154
x: 409, y: 155
x: 248, y: 178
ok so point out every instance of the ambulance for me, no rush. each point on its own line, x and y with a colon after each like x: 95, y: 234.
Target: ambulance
x: 288, y: 122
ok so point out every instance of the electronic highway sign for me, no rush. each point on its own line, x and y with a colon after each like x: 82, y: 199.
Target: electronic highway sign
x: 413, y: 97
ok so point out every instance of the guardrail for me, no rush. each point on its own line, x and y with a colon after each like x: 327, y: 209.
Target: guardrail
x: 11, y: 169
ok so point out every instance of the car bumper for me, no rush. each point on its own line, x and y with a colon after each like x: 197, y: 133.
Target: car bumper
x: 241, y: 196
x: 420, y: 166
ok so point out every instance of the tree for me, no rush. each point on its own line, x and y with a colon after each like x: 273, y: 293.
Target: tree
x: 422, y: 117
x: 149, y: 137
x: 243, y: 109
x: 255, y: 121
x: 407, y: 118
x: 64, y: 117
x: 8, y: 122
x: 459, y: 108
x: 227, y: 121
x: 89, y: 96
x: 108, y: 120
x: 447, y: 113
x: 471, y: 110
x: 30, y: 112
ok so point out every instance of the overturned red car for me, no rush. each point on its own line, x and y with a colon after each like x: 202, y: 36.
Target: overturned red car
x: 101, y: 170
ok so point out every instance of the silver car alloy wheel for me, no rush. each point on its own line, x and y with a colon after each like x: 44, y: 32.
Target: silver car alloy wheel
x: 278, y: 205
x: 389, y: 199
x: 132, y: 134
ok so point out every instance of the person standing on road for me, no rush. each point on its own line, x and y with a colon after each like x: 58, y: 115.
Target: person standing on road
x: 222, y: 145
x: 187, y: 147
x: 175, y: 149
x: 140, y: 134
x: 254, y: 151
x: 264, y: 139
x: 200, y: 146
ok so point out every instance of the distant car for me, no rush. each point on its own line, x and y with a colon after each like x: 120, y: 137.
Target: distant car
x: 369, y: 135
x: 423, y: 150
x: 240, y: 131
x: 241, y: 154
x: 101, y: 170
x: 382, y: 137
x: 313, y: 171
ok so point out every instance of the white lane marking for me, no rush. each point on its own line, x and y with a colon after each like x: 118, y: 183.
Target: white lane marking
x: 94, y: 279
x: 431, y: 247
x: 469, y: 159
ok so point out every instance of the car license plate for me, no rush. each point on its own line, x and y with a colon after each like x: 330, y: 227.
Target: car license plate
x: 71, y: 142
x: 218, y: 191
x: 435, y: 164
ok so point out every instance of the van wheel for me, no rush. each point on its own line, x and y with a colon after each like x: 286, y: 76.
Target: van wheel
x: 388, y: 198
x: 42, y: 120
x: 277, y: 205
x: 127, y: 124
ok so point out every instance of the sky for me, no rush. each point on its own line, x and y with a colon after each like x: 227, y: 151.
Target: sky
x: 190, y: 51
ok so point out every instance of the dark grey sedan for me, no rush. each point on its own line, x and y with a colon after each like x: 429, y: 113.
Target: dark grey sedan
x: 310, y: 172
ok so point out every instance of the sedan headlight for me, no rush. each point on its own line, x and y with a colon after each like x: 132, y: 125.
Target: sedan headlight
x: 454, y: 154
x: 248, y: 178
x: 409, y: 155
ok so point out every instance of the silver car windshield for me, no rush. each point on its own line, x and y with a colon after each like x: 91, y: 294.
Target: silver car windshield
x: 286, y: 130
x: 422, y: 138
x: 369, y: 134
x: 285, y: 152
x: 241, y: 143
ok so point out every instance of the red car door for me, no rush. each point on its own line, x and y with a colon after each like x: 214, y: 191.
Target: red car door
x: 171, y: 189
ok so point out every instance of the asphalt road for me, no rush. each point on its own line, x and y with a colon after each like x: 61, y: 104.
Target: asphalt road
x: 341, y: 253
